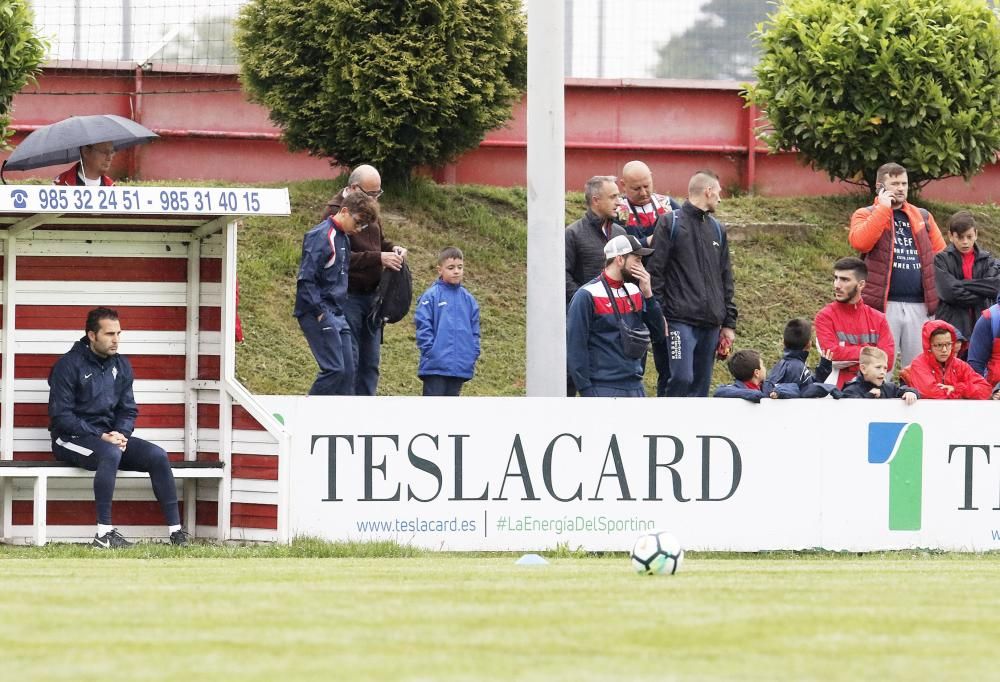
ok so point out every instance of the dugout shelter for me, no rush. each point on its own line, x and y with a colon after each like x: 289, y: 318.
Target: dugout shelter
x: 165, y: 258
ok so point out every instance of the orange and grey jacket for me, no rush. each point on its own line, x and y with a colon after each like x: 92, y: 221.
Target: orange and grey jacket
x: 872, y: 235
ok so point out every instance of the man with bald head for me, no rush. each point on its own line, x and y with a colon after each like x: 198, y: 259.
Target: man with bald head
x: 638, y: 210
x: 639, y: 206
x: 371, y: 252
x: 693, y: 279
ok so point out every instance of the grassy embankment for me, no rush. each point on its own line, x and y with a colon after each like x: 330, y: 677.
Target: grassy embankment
x: 780, y: 273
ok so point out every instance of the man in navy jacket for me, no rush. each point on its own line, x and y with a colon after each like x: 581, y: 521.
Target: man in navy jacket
x: 92, y: 413
x: 621, y: 296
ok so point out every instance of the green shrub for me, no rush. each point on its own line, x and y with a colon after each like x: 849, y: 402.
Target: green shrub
x: 854, y: 83
x: 21, y: 55
x: 395, y: 83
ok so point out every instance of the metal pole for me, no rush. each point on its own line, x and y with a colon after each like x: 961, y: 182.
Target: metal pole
x: 77, y: 20
x: 126, y: 30
x: 546, y: 333
x: 600, y: 38
x: 568, y: 51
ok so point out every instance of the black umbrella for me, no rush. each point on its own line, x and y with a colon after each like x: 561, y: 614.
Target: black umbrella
x: 60, y: 142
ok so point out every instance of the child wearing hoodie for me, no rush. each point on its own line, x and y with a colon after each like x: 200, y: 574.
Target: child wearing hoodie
x: 938, y: 373
x: 870, y: 381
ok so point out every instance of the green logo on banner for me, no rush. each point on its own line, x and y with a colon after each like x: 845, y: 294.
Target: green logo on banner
x: 902, y: 447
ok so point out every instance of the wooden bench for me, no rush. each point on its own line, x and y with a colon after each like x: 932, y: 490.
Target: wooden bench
x: 188, y: 471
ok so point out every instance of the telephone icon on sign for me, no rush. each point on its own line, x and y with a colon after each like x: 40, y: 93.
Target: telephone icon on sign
x: 20, y: 198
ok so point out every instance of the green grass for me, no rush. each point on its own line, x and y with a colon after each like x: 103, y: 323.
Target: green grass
x: 777, y: 277
x: 445, y: 617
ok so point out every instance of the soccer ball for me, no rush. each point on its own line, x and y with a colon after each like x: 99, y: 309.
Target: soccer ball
x: 657, y: 553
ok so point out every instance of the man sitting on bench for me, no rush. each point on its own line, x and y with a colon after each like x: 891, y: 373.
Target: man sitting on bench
x: 92, y: 413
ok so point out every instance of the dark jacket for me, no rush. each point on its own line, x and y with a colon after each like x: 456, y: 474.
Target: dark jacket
x: 447, y: 322
x: 594, y: 351
x: 585, y: 240
x: 859, y: 388
x: 740, y: 389
x: 984, y: 344
x: 690, y: 269
x: 321, y: 286
x: 963, y: 300
x: 366, y: 251
x: 792, y: 374
x: 90, y: 395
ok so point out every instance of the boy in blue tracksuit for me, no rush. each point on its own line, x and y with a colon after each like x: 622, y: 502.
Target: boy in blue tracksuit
x: 321, y: 293
x: 447, y: 321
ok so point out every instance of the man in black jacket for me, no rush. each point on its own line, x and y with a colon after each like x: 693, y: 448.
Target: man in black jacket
x: 92, y: 412
x: 693, y: 280
x: 585, y: 239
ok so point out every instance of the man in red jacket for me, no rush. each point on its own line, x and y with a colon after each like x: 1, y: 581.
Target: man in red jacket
x: 898, y: 242
x: 938, y: 373
x: 848, y: 324
x: 92, y: 168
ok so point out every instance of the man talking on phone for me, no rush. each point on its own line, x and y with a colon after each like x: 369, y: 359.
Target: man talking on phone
x: 898, y: 241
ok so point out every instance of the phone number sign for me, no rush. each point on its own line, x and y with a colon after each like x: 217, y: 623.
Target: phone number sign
x: 145, y: 200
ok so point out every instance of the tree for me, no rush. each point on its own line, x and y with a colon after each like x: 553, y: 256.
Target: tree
x: 718, y: 46
x: 856, y: 83
x: 395, y: 83
x: 21, y: 56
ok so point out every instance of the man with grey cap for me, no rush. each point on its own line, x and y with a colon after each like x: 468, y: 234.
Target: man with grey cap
x: 610, y: 322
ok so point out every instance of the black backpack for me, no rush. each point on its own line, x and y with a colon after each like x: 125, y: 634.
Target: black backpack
x: 392, y: 298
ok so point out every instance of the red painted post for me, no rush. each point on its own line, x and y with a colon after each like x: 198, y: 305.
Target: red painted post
x: 751, y: 175
x: 133, y: 159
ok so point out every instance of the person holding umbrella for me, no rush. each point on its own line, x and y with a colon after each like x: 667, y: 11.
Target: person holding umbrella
x: 89, y: 142
x: 92, y: 168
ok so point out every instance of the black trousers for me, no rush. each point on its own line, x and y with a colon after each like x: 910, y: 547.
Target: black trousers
x: 94, y: 454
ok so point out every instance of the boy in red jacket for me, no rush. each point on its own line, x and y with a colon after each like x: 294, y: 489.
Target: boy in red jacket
x: 938, y: 373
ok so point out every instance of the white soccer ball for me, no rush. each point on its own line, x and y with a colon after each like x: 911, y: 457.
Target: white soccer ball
x: 657, y: 553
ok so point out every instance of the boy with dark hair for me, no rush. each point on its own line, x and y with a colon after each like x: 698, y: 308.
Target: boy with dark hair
x: 750, y: 383
x: 967, y: 277
x: 447, y: 321
x: 321, y: 293
x: 791, y: 371
x: 870, y: 381
x: 938, y: 373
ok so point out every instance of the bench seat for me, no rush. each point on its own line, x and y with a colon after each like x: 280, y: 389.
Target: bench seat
x: 188, y: 471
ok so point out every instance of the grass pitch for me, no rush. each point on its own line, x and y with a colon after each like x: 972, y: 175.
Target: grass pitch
x: 265, y: 614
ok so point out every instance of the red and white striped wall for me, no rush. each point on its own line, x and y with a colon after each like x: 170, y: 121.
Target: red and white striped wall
x: 173, y: 289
